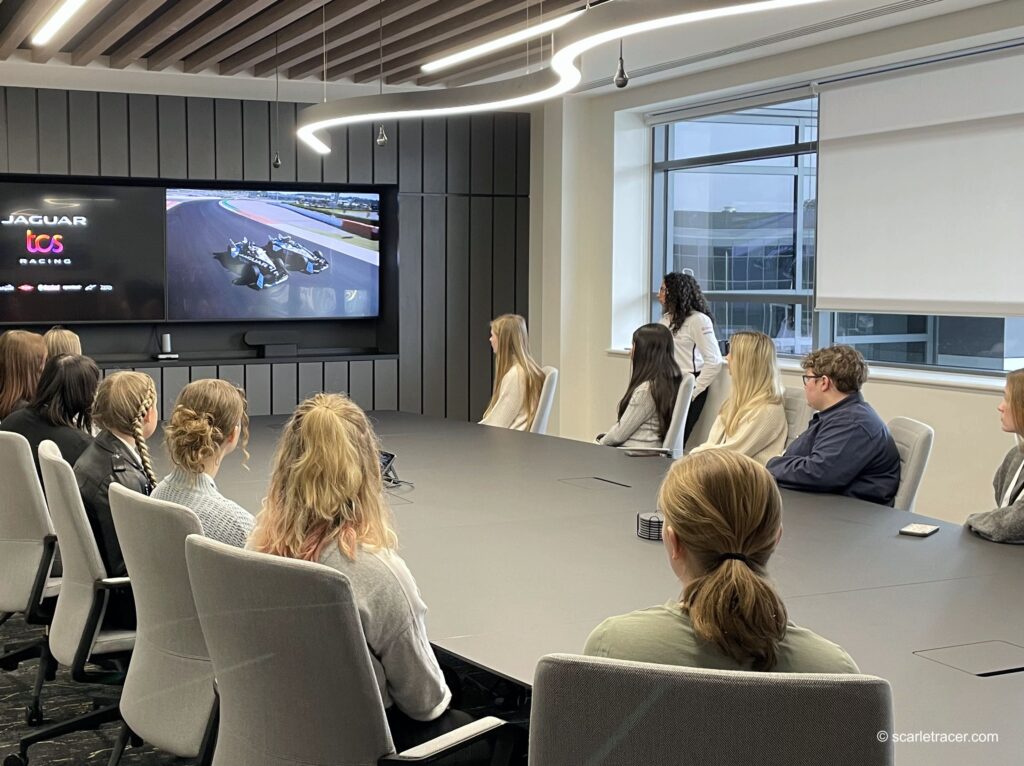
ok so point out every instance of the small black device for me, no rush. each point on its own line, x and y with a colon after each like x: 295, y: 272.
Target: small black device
x: 386, y: 459
x: 919, y: 530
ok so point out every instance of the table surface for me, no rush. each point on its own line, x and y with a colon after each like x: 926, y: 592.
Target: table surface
x: 522, y: 543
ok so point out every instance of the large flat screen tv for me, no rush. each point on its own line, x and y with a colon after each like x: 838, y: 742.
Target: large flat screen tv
x: 245, y: 254
x: 80, y: 253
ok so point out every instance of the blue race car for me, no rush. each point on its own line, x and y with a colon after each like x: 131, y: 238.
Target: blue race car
x: 252, y: 265
x: 295, y: 256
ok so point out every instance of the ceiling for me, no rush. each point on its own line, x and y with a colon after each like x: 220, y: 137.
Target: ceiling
x: 232, y: 37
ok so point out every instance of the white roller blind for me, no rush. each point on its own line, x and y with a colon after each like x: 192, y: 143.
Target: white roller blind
x: 921, y: 191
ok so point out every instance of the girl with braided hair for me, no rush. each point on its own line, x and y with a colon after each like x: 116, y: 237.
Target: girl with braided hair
x: 125, y: 410
x: 687, y: 315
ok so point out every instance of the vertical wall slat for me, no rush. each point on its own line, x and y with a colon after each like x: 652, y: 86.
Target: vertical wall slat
x: 385, y: 384
x: 22, y: 130
x: 201, y: 133
x: 523, y: 154
x: 480, y: 313
x: 523, y: 256
x: 410, y: 156
x: 113, y: 134
x: 459, y: 137
x: 257, y: 388
x: 232, y: 373
x: 505, y: 145
x: 435, y: 153
x: 203, y: 371
x: 3, y: 130
x: 503, y: 277
x: 173, y: 136
x: 410, y: 303
x: 385, y: 158
x: 255, y: 141
x: 434, y: 297
x: 175, y: 379
x: 336, y: 377
x: 360, y: 153
x: 311, y: 379
x: 336, y: 163
x: 143, y: 136
x: 53, y: 131
x: 310, y: 163
x: 285, y: 141
x: 227, y: 117
x: 360, y: 383
x: 84, y: 133
x: 457, y: 310
x: 284, y: 394
x: 481, y: 162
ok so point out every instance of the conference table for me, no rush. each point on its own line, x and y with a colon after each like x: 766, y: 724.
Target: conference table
x: 522, y: 543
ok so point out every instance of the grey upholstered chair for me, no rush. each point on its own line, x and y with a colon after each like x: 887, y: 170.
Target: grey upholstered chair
x: 168, y: 698
x: 282, y: 631
x: 76, y: 636
x: 718, y: 392
x: 27, y: 545
x: 914, y: 441
x: 798, y: 413
x: 665, y: 714
x: 547, y: 400
x: 673, y: 444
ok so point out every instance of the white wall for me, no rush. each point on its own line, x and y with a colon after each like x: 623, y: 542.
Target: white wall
x: 589, y: 269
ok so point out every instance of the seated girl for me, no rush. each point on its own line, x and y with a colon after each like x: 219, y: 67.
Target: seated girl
x: 518, y: 379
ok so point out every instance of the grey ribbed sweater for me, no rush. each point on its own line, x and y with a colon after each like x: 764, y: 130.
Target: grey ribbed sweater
x: 223, y: 520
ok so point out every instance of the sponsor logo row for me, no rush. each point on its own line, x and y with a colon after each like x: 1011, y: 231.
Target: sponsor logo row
x: 49, y: 288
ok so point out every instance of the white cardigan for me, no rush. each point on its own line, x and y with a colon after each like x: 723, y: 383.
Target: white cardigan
x: 761, y: 434
x: 510, y: 410
x: 696, y: 348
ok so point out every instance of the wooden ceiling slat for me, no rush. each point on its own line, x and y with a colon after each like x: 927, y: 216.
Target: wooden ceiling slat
x: 337, y: 12
x: 510, y: 60
x: 179, y: 14
x: 88, y: 11
x: 252, y: 31
x: 426, y: 18
x: 112, y: 30
x: 407, y: 68
x: 24, y: 22
x: 209, y: 29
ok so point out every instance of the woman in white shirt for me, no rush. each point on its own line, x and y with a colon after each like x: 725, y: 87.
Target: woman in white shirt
x: 687, y: 315
x: 518, y: 379
x: 752, y: 420
x: 646, y: 409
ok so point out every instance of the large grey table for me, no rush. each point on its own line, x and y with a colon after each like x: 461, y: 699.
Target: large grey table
x: 522, y: 543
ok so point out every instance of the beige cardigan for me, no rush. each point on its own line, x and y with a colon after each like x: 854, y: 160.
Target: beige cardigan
x: 510, y: 409
x: 760, y: 435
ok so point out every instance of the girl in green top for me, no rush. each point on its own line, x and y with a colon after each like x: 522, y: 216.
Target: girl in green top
x: 723, y: 520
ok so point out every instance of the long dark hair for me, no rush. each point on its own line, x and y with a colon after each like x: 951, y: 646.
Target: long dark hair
x: 654, y: 362
x: 66, y: 390
x: 683, y: 296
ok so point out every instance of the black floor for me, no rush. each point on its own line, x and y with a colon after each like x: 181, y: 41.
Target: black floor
x: 62, y: 699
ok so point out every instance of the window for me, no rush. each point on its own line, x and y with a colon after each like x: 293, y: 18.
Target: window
x: 735, y: 203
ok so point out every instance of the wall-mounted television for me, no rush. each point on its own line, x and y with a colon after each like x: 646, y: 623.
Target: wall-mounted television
x: 80, y: 253
x: 245, y: 254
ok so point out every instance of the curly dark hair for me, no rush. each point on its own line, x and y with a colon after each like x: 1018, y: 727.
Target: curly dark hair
x: 683, y: 296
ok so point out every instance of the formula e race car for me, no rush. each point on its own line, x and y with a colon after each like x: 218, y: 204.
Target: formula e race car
x: 295, y: 255
x: 253, y: 266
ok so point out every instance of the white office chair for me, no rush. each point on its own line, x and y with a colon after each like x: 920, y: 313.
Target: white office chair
x: 547, y: 400
x: 718, y: 392
x: 673, y: 444
x: 798, y: 413
x: 914, y: 441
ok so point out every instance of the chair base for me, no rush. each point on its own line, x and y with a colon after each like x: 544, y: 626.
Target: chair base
x: 87, y: 722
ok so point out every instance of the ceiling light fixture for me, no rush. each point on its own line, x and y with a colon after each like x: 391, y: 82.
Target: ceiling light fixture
x: 61, y: 17
x: 599, y: 25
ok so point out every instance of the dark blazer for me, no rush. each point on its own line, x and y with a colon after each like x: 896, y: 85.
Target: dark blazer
x: 37, y: 429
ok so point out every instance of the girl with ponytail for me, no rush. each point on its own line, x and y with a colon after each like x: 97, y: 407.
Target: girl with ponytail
x: 209, y: 421
x: 125, y: 410
x: 723, y: 520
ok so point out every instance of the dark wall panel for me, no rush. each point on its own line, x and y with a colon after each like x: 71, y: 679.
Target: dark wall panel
x: 523, y: 256
x: 503, y: 277
x: 505, y: 156
x: 113, y: 134
x: 284, y: 390
x: 385, y: 158
x: 523, y: 155
x: 481, y: 161
x: 336, y: 377
x: 458, y: 155
x: 336, y: 163
x: 311, y: 379
x: 435, y: 153
x: 360, y: 152
x: 3, y: 130
x: 202, y: 147
x: 283, y: 142
x: 232, y: 373
x: 175, y: 379
x: 480, y: 314
x: 255, y: 141
x: 203, y: 371
x: 171, y: 111
x: 84, y: 133
x: 143, y: 136
x: 433, y: 317
x: 257, y: 388
x: 53, y: 132
x: 360, y: 383
x: 385, y: 384
x: 22, y: 130
x: 410, y: 303
x: 310, y: 163
x: 410, y: 156
x: 227, y: 117
x: 457, y: 309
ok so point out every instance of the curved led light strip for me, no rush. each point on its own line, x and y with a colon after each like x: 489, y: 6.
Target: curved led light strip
x: 599, y: 25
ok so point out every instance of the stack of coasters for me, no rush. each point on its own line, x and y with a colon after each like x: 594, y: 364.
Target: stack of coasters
x: 648, y: 526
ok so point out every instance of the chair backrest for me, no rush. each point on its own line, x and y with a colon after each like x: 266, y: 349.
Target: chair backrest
x: 914, y: 442
x: 168, y: 694
x: 718, y: 392
x: 24, y: 523
x: 677, y: 426
x: 798, y: 413
x: 290, y: 658
x: 547, y: 399
x: 594, y: 710
x: 78, y: 551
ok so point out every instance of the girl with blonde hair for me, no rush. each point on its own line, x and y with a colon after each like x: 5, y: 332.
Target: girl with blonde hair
x: 723, y: 520
x: 518, y: 379
x: 125, y: 410
x: 752, y: 420
x: 209, y: 421
x: 325, y: 503
x: 61, y: 341
x: 1005, y: 524
x: 22, y: 356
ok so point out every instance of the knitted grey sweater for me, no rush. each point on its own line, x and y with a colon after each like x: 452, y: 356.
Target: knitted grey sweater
x: 222, y: 519
x: 1005, y: 524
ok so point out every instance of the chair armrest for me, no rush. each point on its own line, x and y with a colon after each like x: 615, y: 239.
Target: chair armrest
x: 438, y: 747
x: 646, y: 451
x: 109, y: 583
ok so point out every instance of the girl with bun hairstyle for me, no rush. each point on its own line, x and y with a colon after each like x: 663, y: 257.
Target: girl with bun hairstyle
x: 518, y: 379
x: 325, y: 503
x: 125, y: 410
x: 209, y: 421
x: 22, y: 356
x: 752, y: 420
x: 723, y: 520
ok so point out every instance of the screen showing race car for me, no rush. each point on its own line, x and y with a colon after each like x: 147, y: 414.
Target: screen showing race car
x: 80, y: 253
x: 247, y: 254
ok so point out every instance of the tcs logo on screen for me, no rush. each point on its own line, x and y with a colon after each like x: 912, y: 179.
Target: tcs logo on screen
x: 44, y: 243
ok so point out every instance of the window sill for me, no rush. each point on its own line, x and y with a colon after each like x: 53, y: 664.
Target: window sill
x: 954, y: 381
